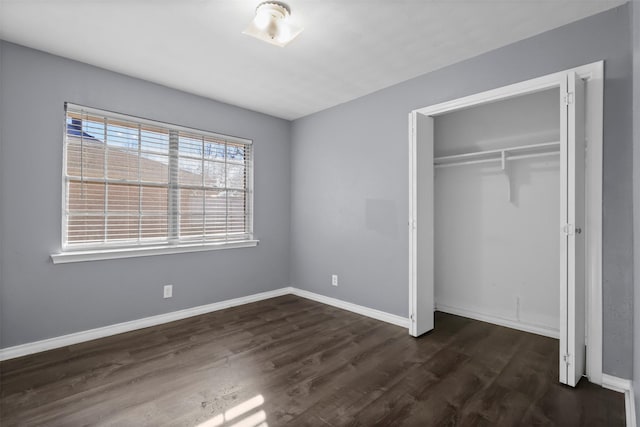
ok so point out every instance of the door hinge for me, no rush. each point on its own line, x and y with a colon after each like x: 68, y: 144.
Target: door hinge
x: 412, y: 224
x: 566, y: 358
x: 571, y: 230
x: 567, y: 229
x: 567, y: 99
x: 411, y: 317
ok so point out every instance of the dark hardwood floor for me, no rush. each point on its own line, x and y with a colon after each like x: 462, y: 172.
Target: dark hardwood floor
x: 291, y: 361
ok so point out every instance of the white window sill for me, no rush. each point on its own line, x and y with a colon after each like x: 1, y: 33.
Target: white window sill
x: 101, y: 254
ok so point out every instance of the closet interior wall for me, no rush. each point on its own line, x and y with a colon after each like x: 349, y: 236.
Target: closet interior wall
x: 497, y: 250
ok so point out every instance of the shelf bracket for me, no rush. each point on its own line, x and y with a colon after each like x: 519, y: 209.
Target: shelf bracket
x: 505, y: 169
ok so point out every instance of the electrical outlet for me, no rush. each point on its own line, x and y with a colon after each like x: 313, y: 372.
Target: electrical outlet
x: 334, y: 280
x: 168, y: 291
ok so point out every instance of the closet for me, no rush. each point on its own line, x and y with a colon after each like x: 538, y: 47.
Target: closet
x: 505, y: 212
x: 497, y: 202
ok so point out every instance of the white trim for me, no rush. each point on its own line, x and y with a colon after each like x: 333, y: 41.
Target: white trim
x: 496, y: 320
x: 616, y: 384
x: 413, y: 215
x: 355, y: 308
x: 499, y: 94
x: 118, y: 328
x: 630, y: 405
x: 594, y: 74
x: 101, y: 254
x: 622, y: 385
x: 587, y: 72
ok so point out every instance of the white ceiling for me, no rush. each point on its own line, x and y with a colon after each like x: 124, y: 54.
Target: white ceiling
x: 349, y: 48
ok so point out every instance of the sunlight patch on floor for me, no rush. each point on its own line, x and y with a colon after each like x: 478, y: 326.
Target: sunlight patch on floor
x: 256, y: 419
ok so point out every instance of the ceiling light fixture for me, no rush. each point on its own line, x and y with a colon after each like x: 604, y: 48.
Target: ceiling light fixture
x: 271, y: 24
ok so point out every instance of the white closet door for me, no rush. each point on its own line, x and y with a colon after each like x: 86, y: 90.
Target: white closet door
x: 572, y: 270
x: 421, y: 217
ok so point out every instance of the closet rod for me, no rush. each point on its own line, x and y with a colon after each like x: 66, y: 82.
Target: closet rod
x: 497, y: 151
x: 496, y: 159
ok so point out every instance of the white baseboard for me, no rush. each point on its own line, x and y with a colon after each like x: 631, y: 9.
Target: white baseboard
x: 615, y: 383
x: 623, y: 386
x: 118, y: 328
x: 534, y: 329
x: 360, y: 309
x: 630, y: 405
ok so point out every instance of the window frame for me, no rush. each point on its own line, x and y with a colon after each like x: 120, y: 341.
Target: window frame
x: 170, y: 244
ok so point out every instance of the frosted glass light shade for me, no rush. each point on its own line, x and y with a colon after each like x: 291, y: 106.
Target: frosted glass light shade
x: 271, y: 24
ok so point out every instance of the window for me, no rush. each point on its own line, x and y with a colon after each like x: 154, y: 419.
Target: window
x: 131, y: 182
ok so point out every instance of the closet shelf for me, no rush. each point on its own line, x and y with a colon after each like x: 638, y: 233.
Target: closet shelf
x: 499, y: 155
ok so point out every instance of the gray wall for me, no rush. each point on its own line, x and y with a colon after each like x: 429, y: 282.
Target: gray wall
x: 41, y: 300
x: 350, y: 175
x: 635, y: 19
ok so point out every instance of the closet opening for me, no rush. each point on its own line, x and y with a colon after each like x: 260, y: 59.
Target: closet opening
x: 497, y: 201
x: 505, y: 213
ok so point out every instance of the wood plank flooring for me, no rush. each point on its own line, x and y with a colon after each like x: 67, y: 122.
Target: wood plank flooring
x: 291, y: 361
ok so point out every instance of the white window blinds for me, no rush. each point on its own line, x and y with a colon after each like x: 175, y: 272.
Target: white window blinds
x: 131, y: 182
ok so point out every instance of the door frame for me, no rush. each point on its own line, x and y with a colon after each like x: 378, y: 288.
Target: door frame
x: 593, y: 75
